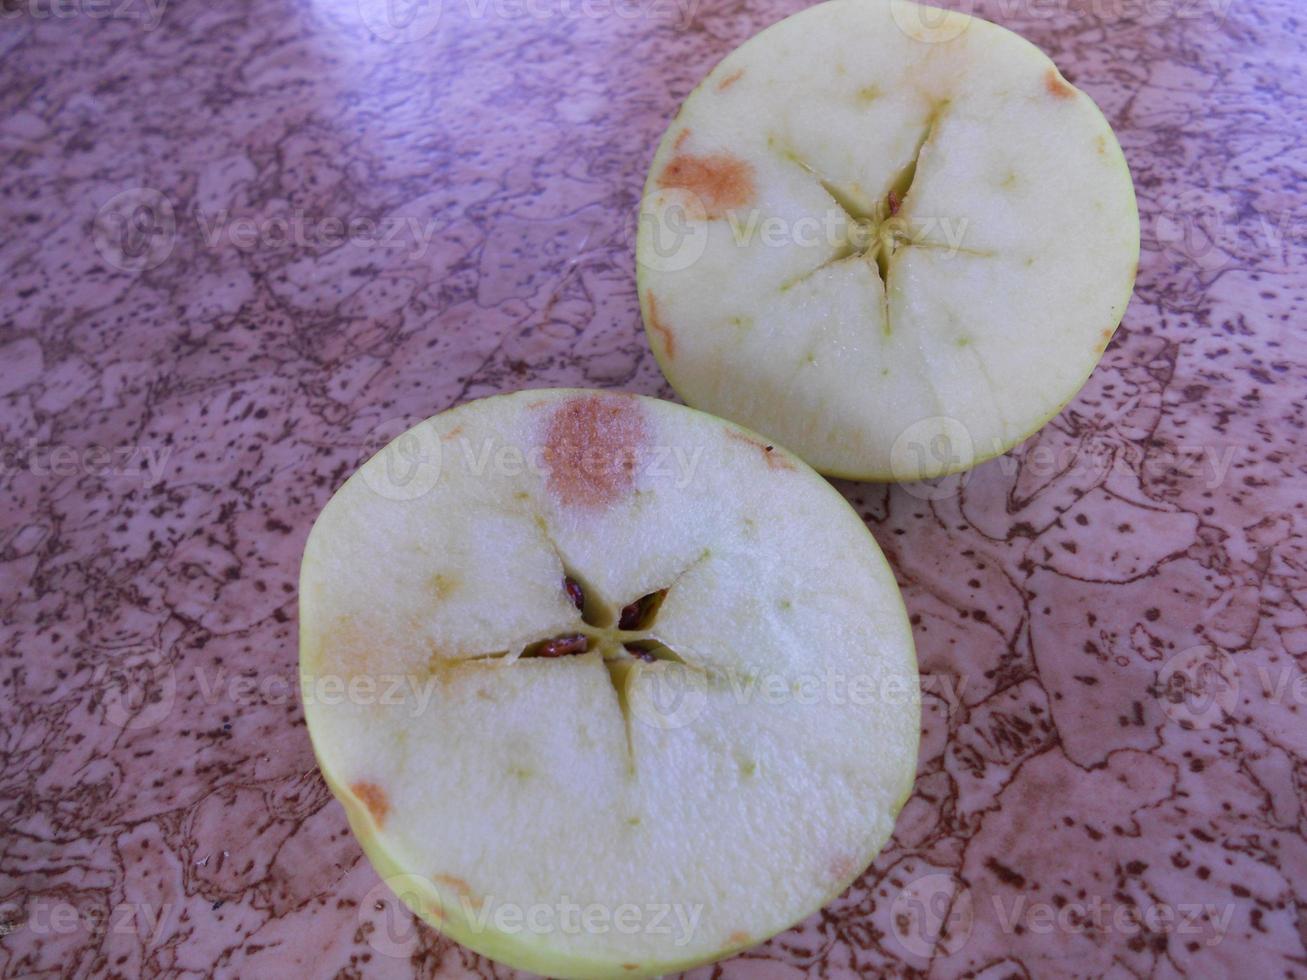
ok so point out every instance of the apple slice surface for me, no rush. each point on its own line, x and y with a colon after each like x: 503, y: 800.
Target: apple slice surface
x: 607, y: 686
x: 894, y: 239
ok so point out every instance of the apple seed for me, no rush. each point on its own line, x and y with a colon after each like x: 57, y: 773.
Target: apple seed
x: 640, y: 653
x: 562, y: 646
x: 574, y: 592
x: 637, y: 615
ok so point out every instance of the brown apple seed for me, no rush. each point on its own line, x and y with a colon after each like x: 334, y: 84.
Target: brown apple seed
x: 563, y: 646
x: 574, y: 592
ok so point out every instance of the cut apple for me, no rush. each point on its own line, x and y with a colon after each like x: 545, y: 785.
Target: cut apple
x: 607, y: 686
x: 894, y: 239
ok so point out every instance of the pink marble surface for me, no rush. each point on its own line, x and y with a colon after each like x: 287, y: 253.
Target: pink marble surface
x: 1110, y: 619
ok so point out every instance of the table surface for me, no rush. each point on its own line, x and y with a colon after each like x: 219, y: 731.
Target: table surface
x: 1109, y: 619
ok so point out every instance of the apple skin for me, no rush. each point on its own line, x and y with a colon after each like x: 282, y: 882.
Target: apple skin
x: 523, y: 951
x: 860, y: 470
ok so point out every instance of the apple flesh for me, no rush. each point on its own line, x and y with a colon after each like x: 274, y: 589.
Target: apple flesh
x: 607, y: 686
x: 895, y: 240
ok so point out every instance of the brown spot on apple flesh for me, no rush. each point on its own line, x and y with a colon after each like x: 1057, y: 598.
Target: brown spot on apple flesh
x: 842, y: 866
x: 442, y: 585
x: 657, y: 325
x: 592, y: 445
x: 774, y: 459
x: 374, y: 798
x: 719, y: 181
x: 456, y: 884
x: 737, y: 938
x: 1057, y: 86
x: 681, y: 137
x: 730, y: 80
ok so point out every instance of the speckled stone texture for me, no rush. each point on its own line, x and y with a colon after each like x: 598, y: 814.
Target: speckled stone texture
x: 242, y: 244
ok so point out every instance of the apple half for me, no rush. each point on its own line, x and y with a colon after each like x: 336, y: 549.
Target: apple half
x: 892, y: 238
x: 607, y: 686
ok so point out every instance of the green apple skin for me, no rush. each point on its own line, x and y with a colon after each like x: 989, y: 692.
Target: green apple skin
x: 821, y: 411
x: 830, y: 778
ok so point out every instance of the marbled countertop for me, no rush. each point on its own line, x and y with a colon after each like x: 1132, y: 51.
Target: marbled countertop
x: 240, y: 242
